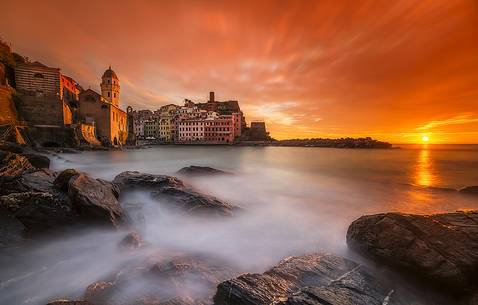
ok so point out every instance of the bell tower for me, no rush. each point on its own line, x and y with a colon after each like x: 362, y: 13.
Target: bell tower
x: 110, y: 88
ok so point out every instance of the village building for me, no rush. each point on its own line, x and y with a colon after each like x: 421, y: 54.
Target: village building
x: 46, y: 96
x: 167, y: 123
x: 103, y: 110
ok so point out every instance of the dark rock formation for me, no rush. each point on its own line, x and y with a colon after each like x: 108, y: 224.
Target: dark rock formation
x: 37, y: 160
x: 470, y: 190
x: 172, y: 192
x: 62, y: 180
x: 441, y: 248
x: 131, y: 241
x: 95, y: 199
x: 12, y: 164
x: 11, y: 147
x: 37, y: 209
x: 136, y: 180
x: 188, y: 200
x: 200, y: 171
x: 312, y: 279
x: 11, y: 230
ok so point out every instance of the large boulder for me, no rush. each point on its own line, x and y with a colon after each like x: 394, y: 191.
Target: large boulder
x: 32, y: 180
x: 136, y: 180
x: 442, y: 248
x: 311, y: 279
x: 68, y: 302
x: 174, y: 193
x: 194, y: 170
x: 95, y: 199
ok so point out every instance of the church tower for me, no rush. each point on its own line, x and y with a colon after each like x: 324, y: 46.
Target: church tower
x: 110, y: 87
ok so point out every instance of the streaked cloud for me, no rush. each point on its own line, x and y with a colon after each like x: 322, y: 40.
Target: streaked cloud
x: 459, y: 119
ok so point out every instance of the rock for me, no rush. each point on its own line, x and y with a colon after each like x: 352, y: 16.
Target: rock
x: 131, y: 241
x: 95, y: 200
x: 186, y: 199
x: 13, y: 165
x: 32, y: 180
x: 174, y: 193
x: 470, y: 190
x: 62, y: 181
x: 200, y: 171
x: 37, y: 160
x: 38, y: 210
x: 136, y: 180
x: 158, y: 280
x: 440, y: 248
x: 11, y: 147
x: 311, y: 279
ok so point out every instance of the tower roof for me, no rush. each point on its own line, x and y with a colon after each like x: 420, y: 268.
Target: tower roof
x: 110, y: 73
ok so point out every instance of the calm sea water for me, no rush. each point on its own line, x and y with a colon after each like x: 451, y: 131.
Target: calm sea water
x: 296, y: 200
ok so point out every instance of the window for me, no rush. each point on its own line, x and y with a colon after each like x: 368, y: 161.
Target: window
x: 38, y: 75
x: 114, y: 94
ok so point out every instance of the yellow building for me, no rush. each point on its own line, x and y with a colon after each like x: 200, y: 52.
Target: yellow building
x: 104, y: 112
x: 167, y: 123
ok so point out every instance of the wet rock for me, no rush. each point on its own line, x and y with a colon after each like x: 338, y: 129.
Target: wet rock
x: 135, y: 180
x: 37, y: 209
x: 168, y: 281
x: 37, y: 160
x: 190, y: 201
x: 172, y: 192
x: 200, y: 171
x: 311, y: 279
x: 131, y: 241
x: 62, y: 181
x: 13, y: 165
x: 470, y: 190
x: 95, y: 200
x: 32, y: 180
x: 11, y: 147
x: 441, y: 248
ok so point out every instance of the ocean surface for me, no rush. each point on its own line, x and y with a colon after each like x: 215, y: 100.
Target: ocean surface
x: 296, y: 200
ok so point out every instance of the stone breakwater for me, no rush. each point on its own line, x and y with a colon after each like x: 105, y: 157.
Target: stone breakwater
x: 427, y: 250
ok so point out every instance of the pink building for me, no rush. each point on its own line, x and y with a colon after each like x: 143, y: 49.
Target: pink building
x: 191, y: 130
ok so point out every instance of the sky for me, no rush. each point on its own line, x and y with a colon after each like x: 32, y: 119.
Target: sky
x: 393, y: 70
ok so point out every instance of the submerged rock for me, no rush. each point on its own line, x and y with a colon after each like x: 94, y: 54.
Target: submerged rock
x: 442, y: 248
x: 176, y: 280
x: 131, y: 241
x: 186, y: 199
x: 311, y: 279
x: 174, y: 193
x: 135, y: 180
x: 194, y: 170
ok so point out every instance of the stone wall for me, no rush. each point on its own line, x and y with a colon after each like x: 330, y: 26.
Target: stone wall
x: 43, y: 110
x: 8, y: 113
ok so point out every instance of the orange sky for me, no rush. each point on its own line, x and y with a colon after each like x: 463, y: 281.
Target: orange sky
x: 393, y: 70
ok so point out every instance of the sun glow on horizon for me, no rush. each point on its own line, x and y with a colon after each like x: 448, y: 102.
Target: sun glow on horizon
x: 425, y: 139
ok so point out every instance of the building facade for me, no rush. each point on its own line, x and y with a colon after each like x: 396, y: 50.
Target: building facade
x: 104, y: 112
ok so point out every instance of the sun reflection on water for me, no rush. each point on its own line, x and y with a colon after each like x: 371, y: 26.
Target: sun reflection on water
x: 424, y: 174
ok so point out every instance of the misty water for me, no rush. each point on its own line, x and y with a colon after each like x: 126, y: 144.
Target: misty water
x: 294, y: 200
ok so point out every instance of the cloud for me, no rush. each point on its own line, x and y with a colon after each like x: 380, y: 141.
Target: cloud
x: 456, y: 120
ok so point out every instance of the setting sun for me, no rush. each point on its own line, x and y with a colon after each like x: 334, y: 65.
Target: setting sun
x: 425, y: 139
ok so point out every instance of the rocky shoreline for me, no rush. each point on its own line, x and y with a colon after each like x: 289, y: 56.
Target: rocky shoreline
x: 434, y: 252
